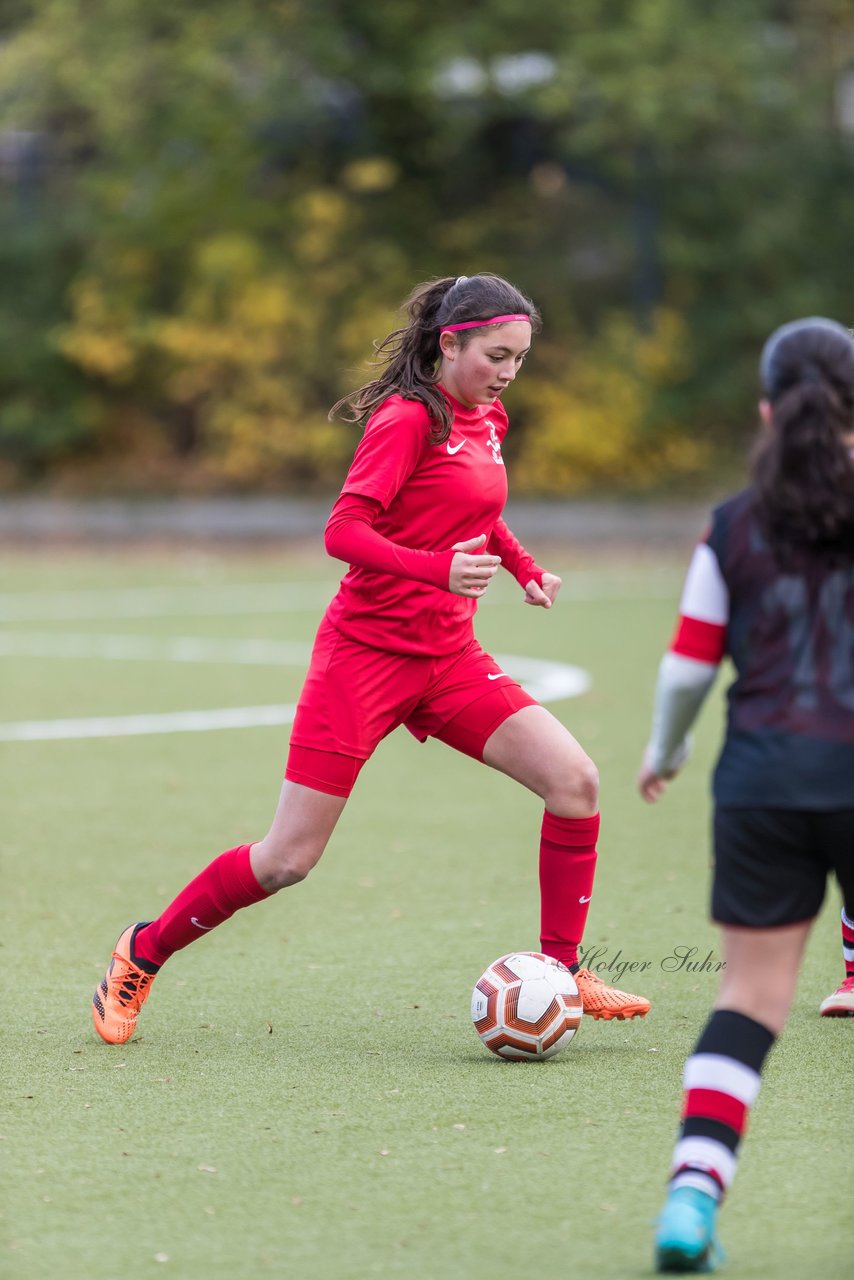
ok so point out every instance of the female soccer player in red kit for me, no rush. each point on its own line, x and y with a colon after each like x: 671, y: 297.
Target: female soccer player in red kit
x: 772, y: 586
x: 419, y: 523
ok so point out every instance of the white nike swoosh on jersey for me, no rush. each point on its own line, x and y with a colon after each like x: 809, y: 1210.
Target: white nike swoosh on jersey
x: 495, y: 675
x: 456, y: 447
x: 207, y: 927
x: 584, y: 899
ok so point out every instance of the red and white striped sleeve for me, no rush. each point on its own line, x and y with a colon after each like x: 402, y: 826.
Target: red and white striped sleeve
x: 688, y: 669
x: 703, y: 610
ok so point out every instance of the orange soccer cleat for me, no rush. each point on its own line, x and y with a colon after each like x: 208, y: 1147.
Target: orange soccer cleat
x: 602, y: 1001
x: 121, y: 993
x: 840, y: 1003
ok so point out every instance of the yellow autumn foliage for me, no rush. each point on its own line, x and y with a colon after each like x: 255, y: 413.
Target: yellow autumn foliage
x: 238, y: 354
x: 245, y: 354
x: 591, y: 423
x: 98, y: 339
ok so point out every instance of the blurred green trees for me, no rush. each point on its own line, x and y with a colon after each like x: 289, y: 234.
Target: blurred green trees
x: 207, y: 214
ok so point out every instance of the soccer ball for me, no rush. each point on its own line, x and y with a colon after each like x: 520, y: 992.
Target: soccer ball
x: 526, y: 1006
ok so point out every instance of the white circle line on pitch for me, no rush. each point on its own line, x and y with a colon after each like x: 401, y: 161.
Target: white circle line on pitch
x: 547, y: 681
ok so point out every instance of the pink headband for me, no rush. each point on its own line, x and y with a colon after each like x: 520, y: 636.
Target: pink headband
x: 481, y: 324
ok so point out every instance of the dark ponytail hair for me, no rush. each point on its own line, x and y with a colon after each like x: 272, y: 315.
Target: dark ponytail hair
x: 803, y: 469
x: 409, y: 357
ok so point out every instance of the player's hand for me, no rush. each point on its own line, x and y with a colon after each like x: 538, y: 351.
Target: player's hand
x: 652, y: 785
x: 543, y: 595
x: 471, y: 574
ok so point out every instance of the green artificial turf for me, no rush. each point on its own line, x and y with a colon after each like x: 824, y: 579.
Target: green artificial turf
x: 306, y: 1095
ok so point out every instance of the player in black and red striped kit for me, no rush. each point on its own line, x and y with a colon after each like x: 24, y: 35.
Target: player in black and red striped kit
x: 772, y: 587
x: 419, y: 523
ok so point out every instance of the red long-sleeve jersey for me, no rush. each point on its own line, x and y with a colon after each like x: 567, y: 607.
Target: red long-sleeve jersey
x: 405, y: 502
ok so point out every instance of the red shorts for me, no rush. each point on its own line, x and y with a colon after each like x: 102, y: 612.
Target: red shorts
x: 354, y: 696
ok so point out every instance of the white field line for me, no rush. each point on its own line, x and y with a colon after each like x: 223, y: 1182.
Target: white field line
x: 201, y: 600
x: 131, y: 648
x: 137, y: 726
x: 545, y: 681
x: 191, y: 600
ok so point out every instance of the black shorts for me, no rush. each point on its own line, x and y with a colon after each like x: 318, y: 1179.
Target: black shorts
x: 771, y: 865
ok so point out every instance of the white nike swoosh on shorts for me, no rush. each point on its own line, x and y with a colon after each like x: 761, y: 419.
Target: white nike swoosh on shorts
x: 495, y: 675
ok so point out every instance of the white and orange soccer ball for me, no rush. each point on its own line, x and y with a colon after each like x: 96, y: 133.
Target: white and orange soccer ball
x: 526, y: 1006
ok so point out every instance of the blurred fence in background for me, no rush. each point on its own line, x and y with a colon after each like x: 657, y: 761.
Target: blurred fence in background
x: 250, y: 521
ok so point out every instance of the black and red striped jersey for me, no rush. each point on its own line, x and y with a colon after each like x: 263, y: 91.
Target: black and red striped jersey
x: 789, y: 631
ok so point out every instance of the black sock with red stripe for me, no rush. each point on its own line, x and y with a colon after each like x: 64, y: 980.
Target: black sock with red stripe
x: 722, y: 1080
x: 848, y: 943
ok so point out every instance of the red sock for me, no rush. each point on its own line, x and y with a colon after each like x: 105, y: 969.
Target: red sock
x: 567, y: 867
x: 224, y: 886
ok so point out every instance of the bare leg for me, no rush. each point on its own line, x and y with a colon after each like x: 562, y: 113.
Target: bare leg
x: 300, y: 831
x: 538, y: 751
x: 761, y: 971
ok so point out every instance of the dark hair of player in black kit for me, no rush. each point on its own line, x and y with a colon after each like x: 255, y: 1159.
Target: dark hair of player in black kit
x: 409, y: 357
x: 803, y: 468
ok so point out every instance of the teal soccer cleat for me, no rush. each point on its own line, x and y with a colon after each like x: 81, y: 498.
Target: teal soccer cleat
x: 685, y: 1233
